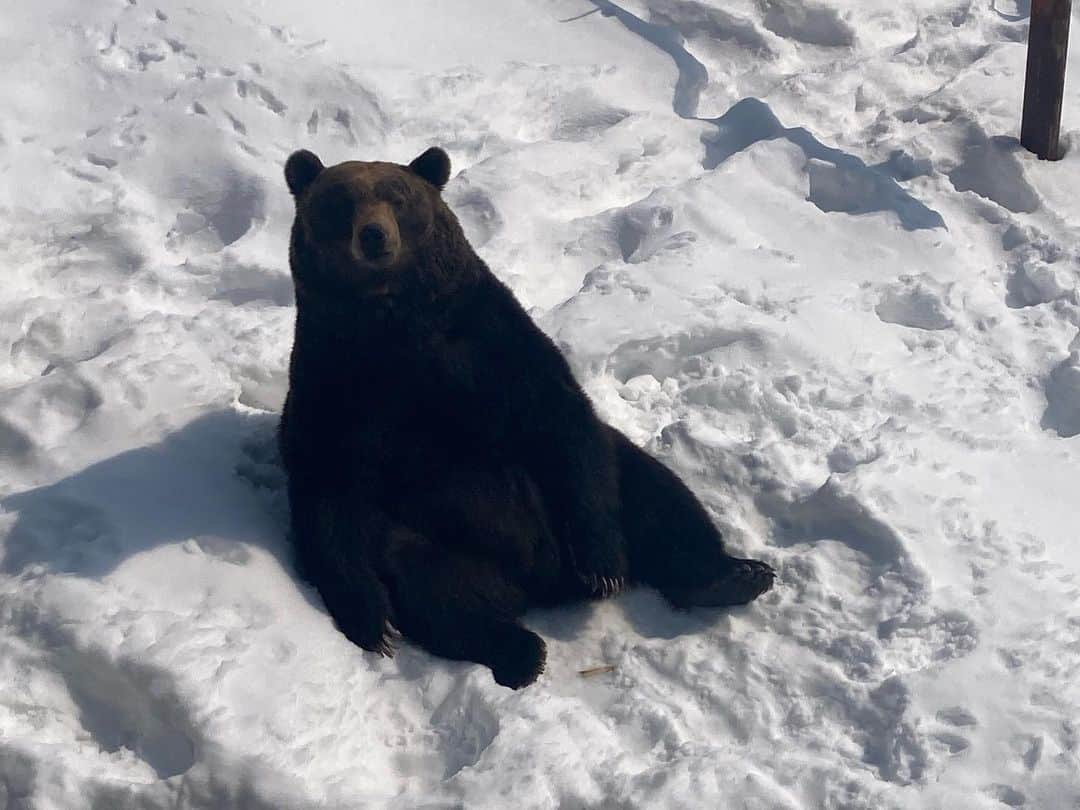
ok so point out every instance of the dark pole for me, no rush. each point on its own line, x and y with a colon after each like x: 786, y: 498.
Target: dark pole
x: 1048, y: 44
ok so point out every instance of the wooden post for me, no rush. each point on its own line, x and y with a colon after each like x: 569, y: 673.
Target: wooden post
x: 1048, y: 45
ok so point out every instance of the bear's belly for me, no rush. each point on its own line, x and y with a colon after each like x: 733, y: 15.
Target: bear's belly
x: 454, y: 491
x: 478, y: 505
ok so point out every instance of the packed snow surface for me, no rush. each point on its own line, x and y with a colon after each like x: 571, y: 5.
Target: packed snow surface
x: 791, y: 247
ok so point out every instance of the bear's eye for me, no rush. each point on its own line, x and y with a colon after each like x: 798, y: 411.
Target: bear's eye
x: 331, y: 214
x: 393, y: 191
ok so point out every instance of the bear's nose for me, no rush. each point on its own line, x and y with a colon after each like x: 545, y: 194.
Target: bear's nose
x: 372, y: 239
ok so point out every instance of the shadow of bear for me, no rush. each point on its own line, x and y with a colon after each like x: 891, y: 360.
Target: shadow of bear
x: 217, y: 482
x: 210, y: 482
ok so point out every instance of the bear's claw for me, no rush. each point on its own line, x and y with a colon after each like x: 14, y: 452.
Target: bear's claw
x: 605, y: 587
x: 387, y: 645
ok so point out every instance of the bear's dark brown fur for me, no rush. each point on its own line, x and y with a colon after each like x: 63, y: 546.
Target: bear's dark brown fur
x: 446, y: 471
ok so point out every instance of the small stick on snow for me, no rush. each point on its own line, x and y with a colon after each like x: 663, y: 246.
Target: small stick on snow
x: 589, y: 673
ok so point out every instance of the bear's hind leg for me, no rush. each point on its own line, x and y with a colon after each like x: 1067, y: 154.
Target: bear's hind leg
x: 672, y: 544
x: 462, y: 607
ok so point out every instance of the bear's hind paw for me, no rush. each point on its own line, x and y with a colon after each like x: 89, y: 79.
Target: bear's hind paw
x: 741, y: 584
x: 519, y: 657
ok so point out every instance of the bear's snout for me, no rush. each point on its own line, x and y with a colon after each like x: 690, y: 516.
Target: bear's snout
x: 372, y: 239
x: 376, y: 240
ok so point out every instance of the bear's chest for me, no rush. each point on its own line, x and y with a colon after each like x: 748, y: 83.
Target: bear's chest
x: 392, y: 403
x: 394, y: 415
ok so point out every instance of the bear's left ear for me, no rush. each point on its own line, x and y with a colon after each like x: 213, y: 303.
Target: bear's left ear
x: 433, y: 166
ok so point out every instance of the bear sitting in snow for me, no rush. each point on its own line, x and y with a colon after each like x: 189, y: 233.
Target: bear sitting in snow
x: 445, y: 470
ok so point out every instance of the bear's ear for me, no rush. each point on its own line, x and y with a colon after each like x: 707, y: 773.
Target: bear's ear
x: 433, y: 166
x: 301, y: 169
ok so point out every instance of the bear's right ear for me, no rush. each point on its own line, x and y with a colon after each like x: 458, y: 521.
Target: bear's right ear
x: 301, y: 169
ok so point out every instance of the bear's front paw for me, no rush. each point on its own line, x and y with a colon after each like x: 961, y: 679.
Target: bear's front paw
x: 372, y: 632
x: 602, y: 569
x: 518, y: 657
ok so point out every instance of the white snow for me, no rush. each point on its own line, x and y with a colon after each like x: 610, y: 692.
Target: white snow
x: 793, y: 247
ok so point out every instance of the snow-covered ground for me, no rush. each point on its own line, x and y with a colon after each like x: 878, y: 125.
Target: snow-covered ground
x: 793, y: 247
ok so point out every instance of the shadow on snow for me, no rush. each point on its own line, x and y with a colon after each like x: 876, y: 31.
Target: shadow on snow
x: 838, y: 181
x: 217, y: 482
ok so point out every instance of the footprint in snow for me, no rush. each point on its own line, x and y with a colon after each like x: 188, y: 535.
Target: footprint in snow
x: 957, y: 716
x: 249, y: 89
x: 808, y: 23
x: 1006, y: 794
x: 125, y: 706
x: 954, y: 744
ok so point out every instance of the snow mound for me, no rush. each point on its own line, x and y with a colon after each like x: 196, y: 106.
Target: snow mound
x: 914, y: 303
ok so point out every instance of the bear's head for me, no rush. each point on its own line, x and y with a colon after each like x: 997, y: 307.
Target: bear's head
x: 367, y: 226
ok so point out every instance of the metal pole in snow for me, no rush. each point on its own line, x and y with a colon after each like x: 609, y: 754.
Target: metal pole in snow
x: 1048, y: 45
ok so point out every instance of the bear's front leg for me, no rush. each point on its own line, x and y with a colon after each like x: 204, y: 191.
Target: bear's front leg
x: 516, y: 395
x: 595, y: 545
x: 578, y: 480
x: 334, y: 537
x: 358, y: 603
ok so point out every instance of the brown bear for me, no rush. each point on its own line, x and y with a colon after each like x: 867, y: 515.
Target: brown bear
x: 445, y: 470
